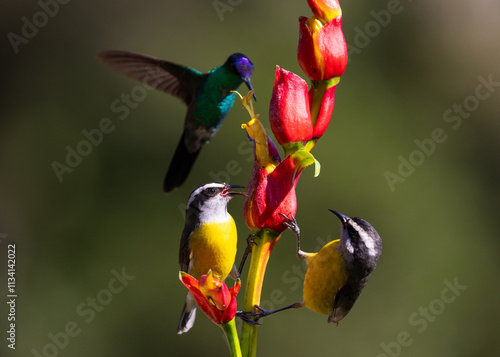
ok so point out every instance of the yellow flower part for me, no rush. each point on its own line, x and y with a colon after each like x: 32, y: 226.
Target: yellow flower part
x: 210, y: 284
x: 256, y: 131
x: 246, y: 102
x: 214, y: 291
x: 314, y: 24
x: 325, y: 10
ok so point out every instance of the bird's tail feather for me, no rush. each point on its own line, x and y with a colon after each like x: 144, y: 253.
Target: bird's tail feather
x: 180, y: 166
x: 188, y: 315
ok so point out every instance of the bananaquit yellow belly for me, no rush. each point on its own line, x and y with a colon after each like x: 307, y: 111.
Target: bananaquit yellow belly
x: 213, y: 247
x: 325, y: 276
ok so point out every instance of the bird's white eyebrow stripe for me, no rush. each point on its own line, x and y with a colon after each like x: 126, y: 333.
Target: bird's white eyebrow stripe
x: 366, y: 238
x: 349, y: 247
x: 201, y: 188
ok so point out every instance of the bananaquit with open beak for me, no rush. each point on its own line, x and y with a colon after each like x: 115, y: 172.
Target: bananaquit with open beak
x: 208, y: 240
x: 337, y: 274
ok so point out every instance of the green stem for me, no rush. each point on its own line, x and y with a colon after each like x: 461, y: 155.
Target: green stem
x: 264, y: 244
x: 232, y: 338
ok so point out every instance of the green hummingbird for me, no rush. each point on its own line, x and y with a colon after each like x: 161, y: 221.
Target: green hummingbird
x: 207, y: 95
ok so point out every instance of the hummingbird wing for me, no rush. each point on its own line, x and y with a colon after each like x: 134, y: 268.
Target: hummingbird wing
x: 179, y: 81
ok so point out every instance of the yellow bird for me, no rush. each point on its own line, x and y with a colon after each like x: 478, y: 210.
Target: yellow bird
x: 208, y: 240
x: 336, y: 274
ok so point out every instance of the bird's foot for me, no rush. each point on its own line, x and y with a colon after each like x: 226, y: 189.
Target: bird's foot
x: 248, y: 250
x: 252, y: 317
x: 291, y: 223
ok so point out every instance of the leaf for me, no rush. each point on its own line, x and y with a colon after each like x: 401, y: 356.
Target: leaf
x: 302, y: 159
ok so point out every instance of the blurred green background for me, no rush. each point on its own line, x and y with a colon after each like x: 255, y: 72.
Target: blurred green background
x: 406, y: 73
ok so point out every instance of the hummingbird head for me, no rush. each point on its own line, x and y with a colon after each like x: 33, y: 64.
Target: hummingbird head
x: 360, y: 243
x: 241, y: 65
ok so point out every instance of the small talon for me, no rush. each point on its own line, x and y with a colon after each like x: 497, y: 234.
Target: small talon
x: 292, y: 223
x: 247, y: 317
x: 261, y: 311
x: 248, y: 250
x: 284, y: 215
x: 250, y: 240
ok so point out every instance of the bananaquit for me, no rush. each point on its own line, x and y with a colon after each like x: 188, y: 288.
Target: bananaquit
x: 337, y: 274
x: 208, y: 240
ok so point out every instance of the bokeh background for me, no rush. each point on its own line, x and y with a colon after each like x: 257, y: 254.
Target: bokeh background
x: 439, y: 223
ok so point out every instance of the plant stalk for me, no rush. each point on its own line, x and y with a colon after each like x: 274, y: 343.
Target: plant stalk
x: 264, y: 244
x: 232, y: 338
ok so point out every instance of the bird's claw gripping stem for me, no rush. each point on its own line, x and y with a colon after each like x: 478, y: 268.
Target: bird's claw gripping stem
x: 248, y: 250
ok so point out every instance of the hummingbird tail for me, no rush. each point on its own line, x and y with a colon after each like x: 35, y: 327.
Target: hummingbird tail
x: 180, y: 166
x: 188, y: 315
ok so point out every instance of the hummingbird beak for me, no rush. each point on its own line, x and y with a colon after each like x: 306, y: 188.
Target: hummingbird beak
x: 343, y: 218
x: 226, y: 191
x: 249, y: 85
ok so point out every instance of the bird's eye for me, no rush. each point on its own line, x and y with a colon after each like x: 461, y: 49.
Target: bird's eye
x: 211, y: 190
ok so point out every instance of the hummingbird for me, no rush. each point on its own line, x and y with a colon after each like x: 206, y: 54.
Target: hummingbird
x: 209, y: 97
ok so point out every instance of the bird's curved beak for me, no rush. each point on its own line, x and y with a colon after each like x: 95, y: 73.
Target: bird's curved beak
x: 227, y: 192
x: 343, y: 218
x: 249, y: 85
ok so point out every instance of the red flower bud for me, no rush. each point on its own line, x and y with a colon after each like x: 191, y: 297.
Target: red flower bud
x: 298, y: 116
x: 322, y: 50
x: 289, y: 112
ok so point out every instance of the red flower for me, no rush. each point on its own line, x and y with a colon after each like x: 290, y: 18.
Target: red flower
x: 212, y: 296
x: 297, y: 116
x: 322, y: 50
x: 271, y: 189
x: 289, y: 111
